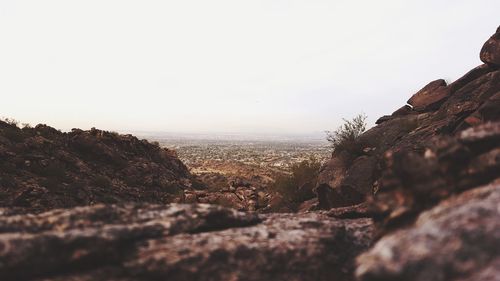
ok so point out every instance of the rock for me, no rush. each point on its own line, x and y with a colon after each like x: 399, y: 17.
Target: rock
x: 429, y: 96
x: 459, y: 239
x: 293, y: 247
x: 383, y: 119
x: 178, y: 242
x: 308, y: 205
x: 350, y: 212
x: 413, y: 182
x: 470, y: 76
x: 352, y: 187
x: 490, y: 53
x: 97, y: 236
x: 361, y: 175
x: 404, y: 110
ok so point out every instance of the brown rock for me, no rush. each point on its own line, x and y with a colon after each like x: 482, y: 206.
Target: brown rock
x: 350, y: 212
x: 404, y: 110
x: 490, y: 53
x: 470, y: 76
x: 308, y: 205
x: 459, y: 239
x: 292, y: 247
x: 178, y: 242
x: 361, y: 175
x: 383, y: 119
x: 413, y: 181
x: 429, y: 96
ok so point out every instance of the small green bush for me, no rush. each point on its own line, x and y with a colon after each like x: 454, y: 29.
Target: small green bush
x: 346, y: 136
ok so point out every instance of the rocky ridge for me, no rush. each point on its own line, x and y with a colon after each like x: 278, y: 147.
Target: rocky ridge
x: 436, y: 110
x: 42, y: 168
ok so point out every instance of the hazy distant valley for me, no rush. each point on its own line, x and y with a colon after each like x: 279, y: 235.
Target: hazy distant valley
x: 207, y: 155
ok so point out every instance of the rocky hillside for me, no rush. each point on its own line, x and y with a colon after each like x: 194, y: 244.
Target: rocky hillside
x: 438, y: 109
x: 421, y: 201
x: 42, y: 168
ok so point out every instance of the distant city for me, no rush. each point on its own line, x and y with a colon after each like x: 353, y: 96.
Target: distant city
x: 256, y: 158
x: 276, y: 152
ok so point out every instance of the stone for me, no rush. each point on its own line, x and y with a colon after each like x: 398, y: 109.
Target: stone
x: 429, y: 96
x: 383, y: 119
x: 459, y: 239
x: 361, y: 175
x: 413, y: 182
x: 490, y: 53
x: 404, y: 110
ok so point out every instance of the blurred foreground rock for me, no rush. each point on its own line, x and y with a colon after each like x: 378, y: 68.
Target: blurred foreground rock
x: 459, y: 239
x: 178, y: 242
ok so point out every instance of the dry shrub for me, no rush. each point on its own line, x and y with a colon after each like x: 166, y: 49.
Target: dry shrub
x: 345, y: 138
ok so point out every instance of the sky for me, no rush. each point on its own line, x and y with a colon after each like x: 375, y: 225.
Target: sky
x: 270, y: 66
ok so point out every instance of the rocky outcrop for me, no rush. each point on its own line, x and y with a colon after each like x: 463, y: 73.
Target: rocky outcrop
x: 413, y: 182
x: 436, y: 110
x: 429, y: 96
x: 42, y: 168
x: 490, y: 53
x: 178, y: 242
x: 459, y: 239
x: 433, y: 187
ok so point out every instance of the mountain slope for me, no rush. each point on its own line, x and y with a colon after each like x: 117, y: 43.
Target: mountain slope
x: 42, y: 168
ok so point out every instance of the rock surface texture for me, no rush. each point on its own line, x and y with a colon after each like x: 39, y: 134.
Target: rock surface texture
x: 490, y: 53
x: 459, y: 239
x: 178, y: 242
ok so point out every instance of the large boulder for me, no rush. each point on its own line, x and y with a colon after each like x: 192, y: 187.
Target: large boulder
x: 429, y: 96
x: 459, y: 239
x: 490, y: 53
x: 413, y: 181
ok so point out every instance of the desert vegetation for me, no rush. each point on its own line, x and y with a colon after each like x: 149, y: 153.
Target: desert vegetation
x: 344, y: 138
x: 297, y: 186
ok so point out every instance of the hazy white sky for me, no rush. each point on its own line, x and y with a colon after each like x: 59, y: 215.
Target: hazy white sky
x: 229, y: 66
